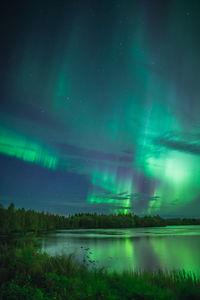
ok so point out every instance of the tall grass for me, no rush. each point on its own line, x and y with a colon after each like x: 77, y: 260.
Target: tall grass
x: 26, y: 273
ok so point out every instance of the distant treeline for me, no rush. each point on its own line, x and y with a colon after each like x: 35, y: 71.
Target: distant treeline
x: 21, y: 220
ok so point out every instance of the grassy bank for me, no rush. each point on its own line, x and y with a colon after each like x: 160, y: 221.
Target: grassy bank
x: 26, y: 273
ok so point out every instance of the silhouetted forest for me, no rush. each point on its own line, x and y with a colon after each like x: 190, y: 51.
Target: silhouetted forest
x: 21, y: 220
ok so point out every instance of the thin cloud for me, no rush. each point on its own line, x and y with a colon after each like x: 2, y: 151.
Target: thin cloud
x: 84, y: 153
x: 178, y: 144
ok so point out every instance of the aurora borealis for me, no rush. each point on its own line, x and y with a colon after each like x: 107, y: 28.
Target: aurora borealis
x: 100, y: 106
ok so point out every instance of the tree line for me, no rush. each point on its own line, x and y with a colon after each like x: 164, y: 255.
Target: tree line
x: 22, y: 221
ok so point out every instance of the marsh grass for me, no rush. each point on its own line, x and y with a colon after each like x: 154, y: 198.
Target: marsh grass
x: 26, y: 273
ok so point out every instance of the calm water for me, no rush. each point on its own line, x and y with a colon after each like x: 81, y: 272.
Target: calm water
x: 173, y: 247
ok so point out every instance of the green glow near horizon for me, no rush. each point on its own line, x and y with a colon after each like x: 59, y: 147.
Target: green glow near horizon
x: 108, y: 180
x: 178, y: 180
x: 175, y: 171
x: 15, y: 145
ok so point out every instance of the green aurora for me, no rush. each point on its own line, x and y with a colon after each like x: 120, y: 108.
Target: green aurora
x: 108, y: 91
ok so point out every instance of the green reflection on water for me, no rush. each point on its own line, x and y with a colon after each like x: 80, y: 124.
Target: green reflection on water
x: 116, y: 256
x: 178, y: 253
x: 149, y: 249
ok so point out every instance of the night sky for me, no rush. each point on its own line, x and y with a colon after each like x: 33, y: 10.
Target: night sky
x: 100, y: 106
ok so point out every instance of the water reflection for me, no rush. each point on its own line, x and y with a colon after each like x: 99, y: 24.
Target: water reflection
x: 131, y: 249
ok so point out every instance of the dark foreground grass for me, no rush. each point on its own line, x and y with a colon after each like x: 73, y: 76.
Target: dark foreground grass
x: 25, y: 273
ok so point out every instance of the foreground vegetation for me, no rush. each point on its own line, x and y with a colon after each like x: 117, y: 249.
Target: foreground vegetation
x: 21, y: 220
x: 26, y: 273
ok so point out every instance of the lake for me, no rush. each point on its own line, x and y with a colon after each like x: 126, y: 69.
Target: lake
x: 147, y: 249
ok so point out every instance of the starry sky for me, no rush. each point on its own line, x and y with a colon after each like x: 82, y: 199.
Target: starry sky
x: 100, y: 106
